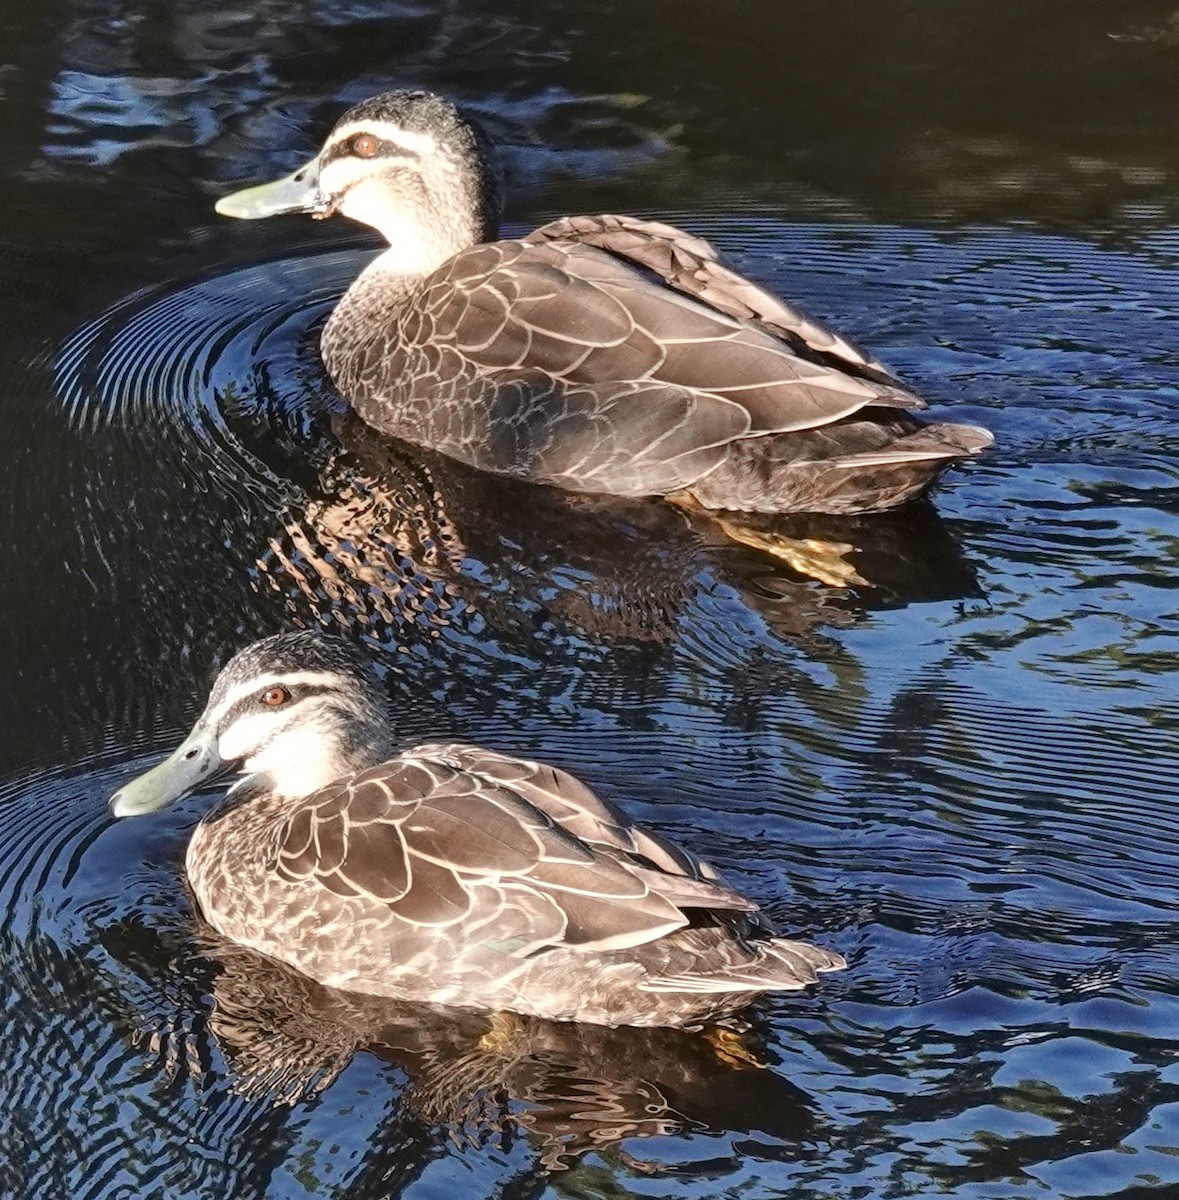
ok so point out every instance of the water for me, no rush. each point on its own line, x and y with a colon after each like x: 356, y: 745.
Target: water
x: 958, y: 768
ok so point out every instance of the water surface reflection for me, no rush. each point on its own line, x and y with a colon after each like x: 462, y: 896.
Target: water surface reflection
x: 955, y: 756
x: 473, y: 1078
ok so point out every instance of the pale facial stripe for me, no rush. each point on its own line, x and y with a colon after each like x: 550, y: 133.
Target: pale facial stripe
x: 259, y: 683
x: 410, y: 140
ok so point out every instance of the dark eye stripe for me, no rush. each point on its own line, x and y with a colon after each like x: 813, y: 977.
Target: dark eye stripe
x: 385, y: 149
x: 249, y: 705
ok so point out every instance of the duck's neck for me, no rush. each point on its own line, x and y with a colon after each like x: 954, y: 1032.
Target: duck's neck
x: 426, y: 224
x: 416, y: 249
x: 363, y: 322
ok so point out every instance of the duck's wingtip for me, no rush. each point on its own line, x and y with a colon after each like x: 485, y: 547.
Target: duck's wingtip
x: 835, y: 962
x: 974, y: 438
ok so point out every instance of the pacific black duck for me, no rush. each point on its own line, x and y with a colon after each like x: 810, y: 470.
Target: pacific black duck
x: 446, y: 873
x: 599, y: 353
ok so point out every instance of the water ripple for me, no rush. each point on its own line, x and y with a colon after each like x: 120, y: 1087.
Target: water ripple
x: 957, y: 771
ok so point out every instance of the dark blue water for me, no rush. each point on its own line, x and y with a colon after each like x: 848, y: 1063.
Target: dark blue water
x: 944, y: 742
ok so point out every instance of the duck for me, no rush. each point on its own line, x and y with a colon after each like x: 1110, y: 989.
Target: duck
x: 447, y: 873
x: 604, y: 354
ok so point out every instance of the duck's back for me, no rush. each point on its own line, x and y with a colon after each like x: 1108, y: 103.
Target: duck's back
x: 615, y: 358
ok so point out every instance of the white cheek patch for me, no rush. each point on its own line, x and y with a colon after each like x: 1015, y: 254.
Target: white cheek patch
x: 370, y: 203
x: 341, y: 175
x: 289, y: 746
x: 297, y: 762
x: 243, y: 737
x: 414, y: 251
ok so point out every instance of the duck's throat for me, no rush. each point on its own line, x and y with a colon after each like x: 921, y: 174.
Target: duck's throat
x: 363, y: 324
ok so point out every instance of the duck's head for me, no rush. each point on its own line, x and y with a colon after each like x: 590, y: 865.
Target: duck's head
x: 407, y: 163
x: 292, y: 712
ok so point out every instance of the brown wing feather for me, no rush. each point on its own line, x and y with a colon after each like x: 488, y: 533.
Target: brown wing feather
x: 474, y: 829
x: 582, y: 315
x: 628, y: 438
x: 691, y: 265
x: 446, y: 834
x: 574, y: 808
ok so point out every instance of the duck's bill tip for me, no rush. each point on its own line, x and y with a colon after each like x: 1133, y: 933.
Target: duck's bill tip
x: 232, y: 206
x: 193, y: 765
x: 125, y: 803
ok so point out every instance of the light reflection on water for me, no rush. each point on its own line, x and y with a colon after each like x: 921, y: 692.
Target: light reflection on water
x: 958, y: 770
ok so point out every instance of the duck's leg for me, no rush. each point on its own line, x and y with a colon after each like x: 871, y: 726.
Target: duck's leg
x: 501, y: 1034
x: 730, y: 1047
x: 816, y: 558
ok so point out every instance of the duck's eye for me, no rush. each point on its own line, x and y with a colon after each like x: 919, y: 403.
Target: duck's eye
x: 275, y: 697
x: 365, y: 145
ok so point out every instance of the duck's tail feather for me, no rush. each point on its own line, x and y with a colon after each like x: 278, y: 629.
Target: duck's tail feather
x: 777, y: 965
x: 925, y: 445
x: 850, y: 467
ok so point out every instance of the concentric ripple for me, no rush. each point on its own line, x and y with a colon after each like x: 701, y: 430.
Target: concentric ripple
x: 948, y: 751
x: 163, y: 356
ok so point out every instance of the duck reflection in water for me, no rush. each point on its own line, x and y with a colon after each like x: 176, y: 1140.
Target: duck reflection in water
x: 567, y: 1088
x: 397, y: 535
